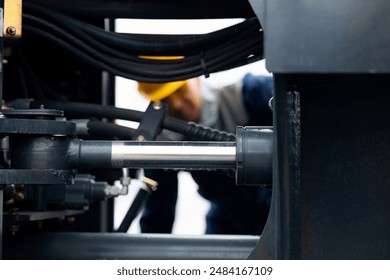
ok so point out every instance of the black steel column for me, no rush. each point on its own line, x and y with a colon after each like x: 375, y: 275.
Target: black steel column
x: 1, y: 223
x: 1, y: 115
x: 345, y: 162
x: 1, y: 50
x: 106, y: 209
x: 280, y: 238
x: 331, y: 185
x: 331, y: 172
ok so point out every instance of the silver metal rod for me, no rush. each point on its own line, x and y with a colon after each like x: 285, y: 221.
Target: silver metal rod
x: 177, y: 155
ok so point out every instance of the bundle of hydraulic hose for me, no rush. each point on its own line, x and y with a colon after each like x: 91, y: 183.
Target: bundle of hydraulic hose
x: 124, y: 54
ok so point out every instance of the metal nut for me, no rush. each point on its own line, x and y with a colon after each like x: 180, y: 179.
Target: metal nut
x: 11, y: 30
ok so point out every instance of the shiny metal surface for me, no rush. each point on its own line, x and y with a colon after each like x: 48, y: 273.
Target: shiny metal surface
x: 188, y: 155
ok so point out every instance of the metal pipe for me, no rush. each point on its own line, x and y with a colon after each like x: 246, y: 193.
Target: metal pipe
x: 174, y: 154
x: 135, y: 208
x: 155, y: 154
x: 250, y: 155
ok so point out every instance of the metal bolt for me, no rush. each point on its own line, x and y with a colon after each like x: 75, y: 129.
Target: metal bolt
x: 14, y: 229
x: 157, y: 105
x: 141, y: 138
x: 14, y: 211
x: 71, y: 219
x: 19, y: 196
x: 11, y: 30
x: 271, y: 103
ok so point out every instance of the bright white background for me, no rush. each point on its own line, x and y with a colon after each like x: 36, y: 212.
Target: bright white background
x: 191, y: 207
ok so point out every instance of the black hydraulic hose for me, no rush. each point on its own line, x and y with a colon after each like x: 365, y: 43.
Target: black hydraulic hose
x: 200, y: 132
x: 136, y: 206
x: 80, y: 45
x: 30, y: 76
x: 221, y: 55
x: 125, y: 66
x: 22, y: 80
x: 184, y: 46
x: 87, y: 57
x: 144, y: 75
x: 128, y: 66
x: 89, y: 110
x: 109, y: 130
x: 149, y: 45
x: 161, y: 71
x: 79, y: 37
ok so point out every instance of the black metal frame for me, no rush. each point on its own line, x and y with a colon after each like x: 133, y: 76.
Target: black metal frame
x: 331, y: 152
x: 331, y: 188
x: 123, y: 246
x: 99, y: 217
x: 152, y: 9
x: 331, y: 182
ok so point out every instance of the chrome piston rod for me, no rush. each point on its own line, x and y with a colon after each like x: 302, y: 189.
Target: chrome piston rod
x: 203, y: 155
x: 155, y: 154
x: 250, y: 155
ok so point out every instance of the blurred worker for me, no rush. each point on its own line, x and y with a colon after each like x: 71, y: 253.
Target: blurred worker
x: 234, y: 210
